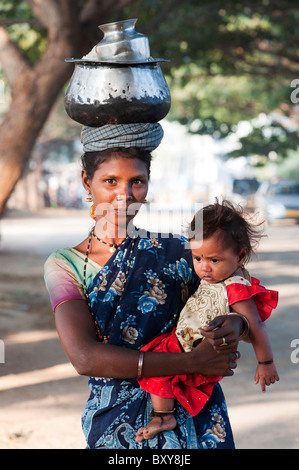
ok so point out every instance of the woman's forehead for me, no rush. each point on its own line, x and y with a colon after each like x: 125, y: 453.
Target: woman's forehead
x: 119, y: 164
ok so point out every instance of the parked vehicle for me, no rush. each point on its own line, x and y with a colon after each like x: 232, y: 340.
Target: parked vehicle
x: 243, y: 191
x: 278, y: 200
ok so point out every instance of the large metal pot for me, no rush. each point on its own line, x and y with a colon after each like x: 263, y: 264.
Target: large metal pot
x: 118, y: 82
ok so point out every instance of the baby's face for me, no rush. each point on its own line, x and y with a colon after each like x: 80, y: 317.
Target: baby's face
x: 212, y: 261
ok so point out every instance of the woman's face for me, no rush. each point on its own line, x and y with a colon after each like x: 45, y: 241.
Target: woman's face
x: 118, y: 188
x: 213, y: 261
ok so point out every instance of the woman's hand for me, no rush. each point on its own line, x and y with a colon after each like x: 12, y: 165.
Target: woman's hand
x: 223, y: 332
x: 219, y: 349
x: 207, y: 361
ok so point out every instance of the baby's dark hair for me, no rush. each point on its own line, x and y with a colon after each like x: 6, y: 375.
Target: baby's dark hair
x: 231, y: 224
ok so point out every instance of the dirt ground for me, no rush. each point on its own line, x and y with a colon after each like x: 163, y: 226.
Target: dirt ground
x: 42, y: 397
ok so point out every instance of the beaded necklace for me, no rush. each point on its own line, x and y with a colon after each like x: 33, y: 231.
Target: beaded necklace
x: 124, y: 280
x: 113, y: 246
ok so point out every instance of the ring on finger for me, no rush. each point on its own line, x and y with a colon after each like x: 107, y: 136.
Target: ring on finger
x: 224, y: 343
x: 237, y: 355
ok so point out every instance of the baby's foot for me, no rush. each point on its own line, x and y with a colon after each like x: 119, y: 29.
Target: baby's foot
x: 162, y: 421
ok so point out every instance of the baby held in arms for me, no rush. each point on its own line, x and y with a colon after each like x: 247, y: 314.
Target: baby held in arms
x: 222, y: 240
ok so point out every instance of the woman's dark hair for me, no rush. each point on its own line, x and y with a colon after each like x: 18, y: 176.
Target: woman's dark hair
x: 231, y: 224
x: 92, y: 160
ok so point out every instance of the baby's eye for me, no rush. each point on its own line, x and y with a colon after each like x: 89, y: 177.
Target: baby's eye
x: 110, y: 180
x: 197, y: 258
x: 214, y: 261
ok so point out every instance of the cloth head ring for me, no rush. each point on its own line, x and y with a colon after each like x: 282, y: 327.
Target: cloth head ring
x: 143, y: 135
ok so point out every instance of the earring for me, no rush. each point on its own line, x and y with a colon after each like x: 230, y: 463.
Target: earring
x: 144, y: 201
x: 88, y: 198
x: 92, y: 212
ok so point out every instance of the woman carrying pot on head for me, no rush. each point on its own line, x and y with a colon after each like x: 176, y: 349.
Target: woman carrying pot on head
x: 118, y: 289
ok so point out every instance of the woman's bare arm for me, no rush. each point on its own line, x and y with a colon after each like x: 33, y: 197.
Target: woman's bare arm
x: 89, y: 357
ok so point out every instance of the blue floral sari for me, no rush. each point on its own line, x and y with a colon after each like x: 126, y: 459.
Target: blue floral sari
x: 134, y: 298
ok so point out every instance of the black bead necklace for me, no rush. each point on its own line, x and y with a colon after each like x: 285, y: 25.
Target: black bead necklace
x: 113, y: 246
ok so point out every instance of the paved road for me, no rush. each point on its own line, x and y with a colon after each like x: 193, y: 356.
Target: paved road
x: 269, y: 420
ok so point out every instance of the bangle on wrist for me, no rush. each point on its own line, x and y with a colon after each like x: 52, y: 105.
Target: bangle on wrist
x: 266, y: 362
x: 140, y: 364
x: 245, y: 333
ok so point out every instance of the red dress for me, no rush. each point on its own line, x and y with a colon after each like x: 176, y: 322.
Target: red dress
x: 194, y: 390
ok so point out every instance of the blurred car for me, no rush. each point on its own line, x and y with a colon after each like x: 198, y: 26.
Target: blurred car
x: 279, y: 200
x: 243, y: 192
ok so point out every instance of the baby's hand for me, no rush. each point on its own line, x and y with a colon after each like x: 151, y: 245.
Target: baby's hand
x: 266, y: 374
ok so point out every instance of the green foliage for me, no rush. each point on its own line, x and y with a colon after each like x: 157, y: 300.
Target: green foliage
x: 23, y: 28
x: 288, y: 168
x: 12, y: 9
x: 228, y: 99
x: 230, y: 37
x: 230, y: 61
x: 267, y: 140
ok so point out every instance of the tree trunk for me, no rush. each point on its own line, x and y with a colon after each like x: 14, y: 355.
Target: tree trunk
x: 31, y: 103
x: 33, y: 89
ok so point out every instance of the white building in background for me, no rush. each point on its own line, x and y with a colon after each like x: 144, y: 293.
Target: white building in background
x: 184, y: 165
x: 189, y: 168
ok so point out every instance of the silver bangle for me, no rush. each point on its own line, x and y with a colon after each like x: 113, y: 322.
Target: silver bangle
x: 140, y: 364
x: 245, y: 333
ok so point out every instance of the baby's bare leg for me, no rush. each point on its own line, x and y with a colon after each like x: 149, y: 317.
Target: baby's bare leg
x: 163, y: 418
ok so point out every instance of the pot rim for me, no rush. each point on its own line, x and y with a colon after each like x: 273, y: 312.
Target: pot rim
x: 116, y: 62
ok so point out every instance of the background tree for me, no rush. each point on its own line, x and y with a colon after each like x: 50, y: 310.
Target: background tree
x: 228, y: 60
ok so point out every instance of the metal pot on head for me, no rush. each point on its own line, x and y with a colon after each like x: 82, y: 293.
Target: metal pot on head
x: 118, y: 82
